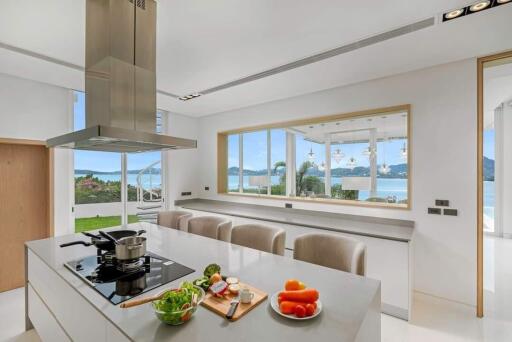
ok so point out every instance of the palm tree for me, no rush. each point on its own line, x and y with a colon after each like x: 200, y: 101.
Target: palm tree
x: 301, y: 179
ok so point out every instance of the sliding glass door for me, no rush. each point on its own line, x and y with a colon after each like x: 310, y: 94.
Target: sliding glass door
x: 112, y: 189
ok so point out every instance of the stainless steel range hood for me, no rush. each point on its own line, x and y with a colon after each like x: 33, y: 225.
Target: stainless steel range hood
x: 120, y: 81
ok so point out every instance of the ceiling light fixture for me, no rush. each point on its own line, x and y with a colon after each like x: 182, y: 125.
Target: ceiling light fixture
x: 338, y: 155
x: 321, y: 167
x: 369, y: 151
x: 479, y: 6
x: 311, y: 155
x: 404, y: 152
x: 189, y: 97
x: 454, y: 14
x: 474, y: 8
x: 352, y: 162
x: 384, y: 169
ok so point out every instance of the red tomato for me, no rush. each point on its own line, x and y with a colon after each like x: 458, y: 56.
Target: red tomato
x: 300, y: 311
x: 310, y: 309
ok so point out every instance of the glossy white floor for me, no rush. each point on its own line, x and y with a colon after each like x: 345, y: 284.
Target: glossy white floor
x: 434, y: 319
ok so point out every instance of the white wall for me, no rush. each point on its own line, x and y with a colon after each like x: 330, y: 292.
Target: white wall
x: 506, y: 168
x: 443, y: 144
x: 182, y: 167
x: 32, y: 110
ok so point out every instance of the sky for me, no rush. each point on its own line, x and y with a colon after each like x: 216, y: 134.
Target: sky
x: 489, y: 144
x: 255, y: 151
x: 105, y: 161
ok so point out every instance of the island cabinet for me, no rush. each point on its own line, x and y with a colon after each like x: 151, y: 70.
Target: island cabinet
x: 388, y: 256
x: 58, y: 312
x: 63, y: 307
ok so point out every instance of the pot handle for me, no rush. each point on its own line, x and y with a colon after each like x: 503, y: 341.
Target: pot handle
x: 91, y: 235
x: 108, y: 237
x: 140, y: 232
x: 76, y: 243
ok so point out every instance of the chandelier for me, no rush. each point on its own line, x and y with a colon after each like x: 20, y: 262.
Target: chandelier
x: 403, y: 152
x: 338, y: 156
x: 369, y: 151
x: 384, y: 169
x: 352, y: 163
x: 311, y: 155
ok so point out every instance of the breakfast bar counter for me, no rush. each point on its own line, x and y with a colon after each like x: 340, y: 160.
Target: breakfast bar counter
x: 62, y: 306
x: 382, y: 228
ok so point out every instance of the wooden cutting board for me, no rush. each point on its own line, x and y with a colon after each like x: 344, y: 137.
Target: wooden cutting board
x: 221, y: 305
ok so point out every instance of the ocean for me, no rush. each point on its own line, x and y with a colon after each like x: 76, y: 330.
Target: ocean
x: 386, y: 186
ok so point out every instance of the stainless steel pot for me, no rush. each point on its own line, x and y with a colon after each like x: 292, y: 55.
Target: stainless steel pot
x: 129, y: 248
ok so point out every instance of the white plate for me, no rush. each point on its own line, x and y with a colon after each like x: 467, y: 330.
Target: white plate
x: 275, y: 305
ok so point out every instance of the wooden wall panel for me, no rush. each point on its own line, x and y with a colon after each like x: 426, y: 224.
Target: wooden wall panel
x: 25, y: 210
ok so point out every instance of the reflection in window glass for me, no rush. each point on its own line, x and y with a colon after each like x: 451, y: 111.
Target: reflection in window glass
x: 367, y: 162
x: 348, y: 161
x: 310, y: 167
x: 278, y: 161
x: 392, y: 171
x: 233, y: 163
x: 255, y: 175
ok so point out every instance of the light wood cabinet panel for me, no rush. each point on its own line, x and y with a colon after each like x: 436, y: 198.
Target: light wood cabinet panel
x: 25, y: 209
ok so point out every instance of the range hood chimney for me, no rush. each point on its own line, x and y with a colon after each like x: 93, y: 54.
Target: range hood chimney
x: 120, y: 81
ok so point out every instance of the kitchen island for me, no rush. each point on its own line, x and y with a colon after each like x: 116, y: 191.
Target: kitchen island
x: 62, y: 306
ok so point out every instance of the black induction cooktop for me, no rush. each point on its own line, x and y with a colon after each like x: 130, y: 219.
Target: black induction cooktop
x: 117, y: 285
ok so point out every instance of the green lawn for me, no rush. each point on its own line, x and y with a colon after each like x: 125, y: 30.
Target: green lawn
x: 91, y: 223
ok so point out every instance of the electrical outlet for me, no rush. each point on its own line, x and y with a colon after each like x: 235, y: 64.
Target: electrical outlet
x: 207, y: 188
x: 442, y: 203
x: 450, y: 212
x: 187, y: 193
x: 288, y: 205
x: 435, y: 211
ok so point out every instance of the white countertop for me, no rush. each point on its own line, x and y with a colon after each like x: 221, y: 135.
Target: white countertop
x: 349, y: 300
x: 391, y: 229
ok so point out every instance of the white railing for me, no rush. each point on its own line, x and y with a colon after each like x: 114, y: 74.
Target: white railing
x: 141, y: 190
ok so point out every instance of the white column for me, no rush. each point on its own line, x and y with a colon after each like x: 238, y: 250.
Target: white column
x: 241, y: 162
x: 498, y: 171
x: 327, y: 171
x: 373, y: 162
x: 124, y: 190
x: 290, y: 164
x: 504, y: 183
x: 269, y: 163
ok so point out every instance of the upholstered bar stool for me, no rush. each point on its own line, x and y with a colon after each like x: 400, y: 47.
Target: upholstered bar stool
x: 211, y: 226
x: 339, y: 252
x: 261, y: 237
x: 176, y: 219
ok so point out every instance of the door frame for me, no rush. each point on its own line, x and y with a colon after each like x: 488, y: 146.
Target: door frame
x: 480, y: 180
x: 50, y: 224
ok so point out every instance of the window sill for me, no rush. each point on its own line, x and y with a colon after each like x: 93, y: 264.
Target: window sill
x: 322, y: 201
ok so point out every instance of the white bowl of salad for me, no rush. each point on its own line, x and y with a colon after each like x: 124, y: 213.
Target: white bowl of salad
x: 178, y: 305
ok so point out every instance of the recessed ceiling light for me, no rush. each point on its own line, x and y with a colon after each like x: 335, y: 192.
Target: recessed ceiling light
x: 479, y: 6
x: 503, y: 1
x: 454, y: 14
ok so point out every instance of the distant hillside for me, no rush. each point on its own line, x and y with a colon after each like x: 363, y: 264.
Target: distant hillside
x: 397, y: 171
x: 155, y: 171
x: 488, y: 169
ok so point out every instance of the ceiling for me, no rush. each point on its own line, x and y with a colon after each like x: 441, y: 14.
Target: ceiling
x: 387, y: 126
x: 202, y: 44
